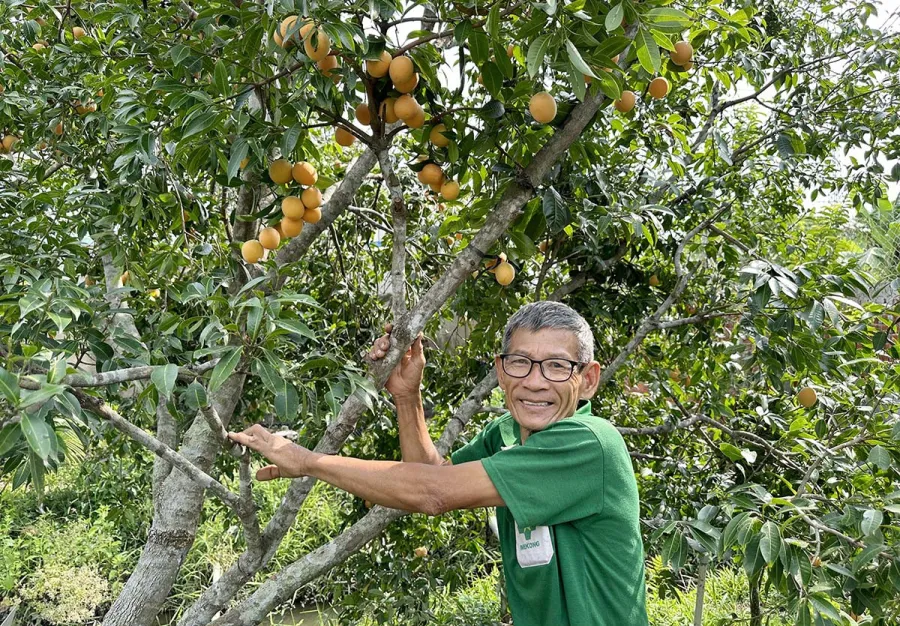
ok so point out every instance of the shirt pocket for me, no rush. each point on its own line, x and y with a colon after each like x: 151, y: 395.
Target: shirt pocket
x: 534, y: 546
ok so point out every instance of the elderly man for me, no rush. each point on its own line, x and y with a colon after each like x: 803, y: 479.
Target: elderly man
x: 560, y: 477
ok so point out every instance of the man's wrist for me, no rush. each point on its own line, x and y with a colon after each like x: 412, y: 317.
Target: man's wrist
x: 408, y: 399
x: 305, y: 460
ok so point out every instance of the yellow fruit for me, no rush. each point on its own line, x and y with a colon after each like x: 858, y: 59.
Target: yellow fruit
x: 625, y: 102
x: 291, y: 228
x: 269, y: 238
x: 401, y: 70
x: 78, y: 32
x: 40, y: 45
x: 343, y: 137
x: 418, y: 120
x: 437, y: 138
x: 409, y: 85
x: 380, y: 67
x: 807, y: 397
x: 450, y: 190
x: 687, y: 66
x: 252, y: 251
x: 387, y: 111
x: 421, y: 551
x: 304, y: 173
x: 282, y: 31
x: 293, y: 208
x: 311, y: 198
x: 406, y: 107
x: 125, y: 277
x: 504, y: 273
x: 435, y: 187
x: 311, y: 216
x: 7, y: 144
x: 659, y: 87
x: 509, y: 50
x: 362, y: 114
x: 317, y: 45
x: 327, y: 67
x: 431, y: 174
x: 280, y: 172
x: 654, y: 281
x: 543, y: 246
x: 245, y: 162
x: 449, y: 241
x: 84, y: 109
x: 280, y: 232
x: 683, y: 53
x: 542, y: 107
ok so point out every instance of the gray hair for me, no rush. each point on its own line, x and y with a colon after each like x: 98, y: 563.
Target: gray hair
x: 556, y: 315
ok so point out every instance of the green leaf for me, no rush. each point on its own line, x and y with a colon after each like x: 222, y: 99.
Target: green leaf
x: 880, y: 457
x: 163, y: 378
x: 731, y: 451
x: 195, y: 396
x: 675, y: 551
x: 289, y: 139
x: 492, y: 26
x: 493, y: 78
x: 770, y: 541
x: 736, y: 530
x: 200, y: 124
x: 9, y: 437
x: 555, y: 210
x: 494, y: 109
x: 668, y: 15
x: 866, y: 556
x: 823, y: 607
x: 577, y: 61
x: 30, y: 398
x: 871, y: 521
x: 536, y: 53
x: 239, y: 150
x: 67, y: 404
x: 295, y: 327
x: 220, y: 74
x: 647, y: 51
x: 479, y: 47
x: 224, y: 368
x: 785, y: 146
x: 287, y: 402
x: 9, y: 386
x: 614, y: 17
x: 269, y: 376
x: 38, y: 434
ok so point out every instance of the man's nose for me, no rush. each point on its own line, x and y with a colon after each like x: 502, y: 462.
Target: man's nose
x: 535, y: 378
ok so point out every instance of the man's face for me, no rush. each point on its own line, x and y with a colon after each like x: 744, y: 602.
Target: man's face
x: 534, y: 401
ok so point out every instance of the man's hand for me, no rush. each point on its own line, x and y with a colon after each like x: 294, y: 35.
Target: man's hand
x: 289, y: 459
x: 406, y: 379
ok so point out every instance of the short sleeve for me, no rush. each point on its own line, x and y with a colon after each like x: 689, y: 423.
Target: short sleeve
x: 475, y: 450
x: 556, y: 477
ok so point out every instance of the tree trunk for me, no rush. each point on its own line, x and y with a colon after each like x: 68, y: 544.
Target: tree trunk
x: 755, y: 610
x: 175, y: 520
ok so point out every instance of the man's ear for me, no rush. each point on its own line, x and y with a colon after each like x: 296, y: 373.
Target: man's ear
x: 590, y: 380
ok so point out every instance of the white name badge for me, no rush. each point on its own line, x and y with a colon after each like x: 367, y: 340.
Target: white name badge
x: 533, y: 546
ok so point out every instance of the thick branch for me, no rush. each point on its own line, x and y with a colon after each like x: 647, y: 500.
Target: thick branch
x: 398, y: 256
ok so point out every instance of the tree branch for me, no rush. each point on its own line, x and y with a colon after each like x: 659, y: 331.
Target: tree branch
x: 398, y: 256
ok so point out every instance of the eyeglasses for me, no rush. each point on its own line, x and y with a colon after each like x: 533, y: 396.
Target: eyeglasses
x: 554, y: 370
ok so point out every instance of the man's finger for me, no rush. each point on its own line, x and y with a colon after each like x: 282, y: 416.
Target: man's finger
x: 243, y: 439
x: 416, y: 347
x: 269, y: 472
x: 388, y: 328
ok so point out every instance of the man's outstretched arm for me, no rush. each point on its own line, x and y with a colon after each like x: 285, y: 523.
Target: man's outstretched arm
x: 415, y: 487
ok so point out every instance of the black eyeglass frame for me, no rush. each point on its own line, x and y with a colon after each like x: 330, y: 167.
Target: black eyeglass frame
x: 575, y: 365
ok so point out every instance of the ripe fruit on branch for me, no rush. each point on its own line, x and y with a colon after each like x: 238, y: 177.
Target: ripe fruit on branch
x: 311, y: 216
x: 504, y: 273
x: 269, y: 238
x: 291, y: 227
x: 304, y: 173
x: 654, y: 280
x: 406, y: 107
x: 312, y: 198
x: 450, y: 190
x: 659, y: 87
x: 431, y: 174
x: 316, y: 43
x: 362, y: 114
x: 78, y: 32
x: 542, y: 107
x: 625, y: 102
x: 84, y: 109
x: 281, y: 32
x: 327, y: 67
x: 280, y: 172
x: 379, y: 68
x: 343, y: 137
x: 387, y: 112
x: 683, y: 53
x: 417, y: 120
x: 408, y: 86
x: 7, y: 144
x: 421, y: 552
x: 437, y: 137
x: 252, y: 251
x: 293, y: 208
x: 807, y: 397
x: 401, y: 70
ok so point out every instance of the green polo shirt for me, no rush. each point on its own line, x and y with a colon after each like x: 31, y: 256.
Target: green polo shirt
x: 570, y: 531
